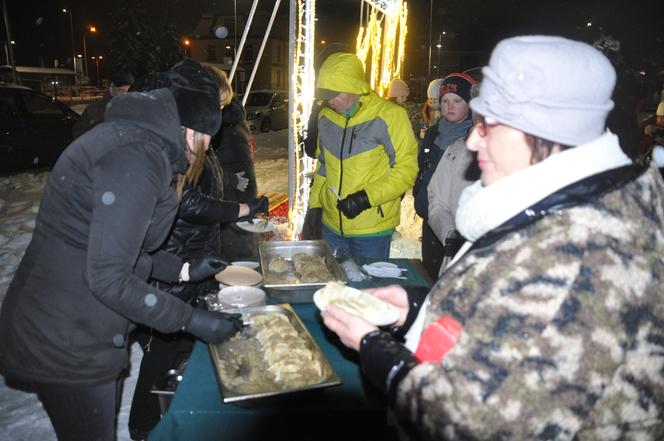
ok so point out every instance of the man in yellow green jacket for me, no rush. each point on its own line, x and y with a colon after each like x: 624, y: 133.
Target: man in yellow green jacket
x: 367, y: 160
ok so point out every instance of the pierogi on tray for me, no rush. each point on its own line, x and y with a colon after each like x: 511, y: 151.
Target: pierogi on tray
x: 356, y: 302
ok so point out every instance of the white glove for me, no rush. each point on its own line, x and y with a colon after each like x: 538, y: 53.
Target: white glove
x: 242, y: 182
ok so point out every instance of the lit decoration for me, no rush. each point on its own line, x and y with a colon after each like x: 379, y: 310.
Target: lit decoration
x: 301, y: 167
x: 381, y: 42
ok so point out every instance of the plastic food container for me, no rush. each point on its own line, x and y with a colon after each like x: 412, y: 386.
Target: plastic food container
x: 241, y: 297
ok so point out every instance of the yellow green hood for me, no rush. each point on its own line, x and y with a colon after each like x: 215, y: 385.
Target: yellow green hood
x: 343, y: 72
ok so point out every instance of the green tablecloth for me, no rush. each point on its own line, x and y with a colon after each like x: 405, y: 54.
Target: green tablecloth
x: 197, y: 412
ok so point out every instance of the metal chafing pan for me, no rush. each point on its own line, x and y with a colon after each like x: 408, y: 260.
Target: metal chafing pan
x: 287, y: 287
x: 222, y: 358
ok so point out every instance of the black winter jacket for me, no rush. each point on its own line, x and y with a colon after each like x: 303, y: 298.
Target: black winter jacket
x: 82, y: 281
x: 231, y: 143
x: 196, y: 230
x: 428, y: 158
x: 92, y: 115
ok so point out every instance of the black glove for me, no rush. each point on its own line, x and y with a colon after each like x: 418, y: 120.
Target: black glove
x: 213, y: 327
x: 259, y: 205
x: 204, y: 267
x: 354, y: 204
x: 385, y: 362
x: 311, y: 228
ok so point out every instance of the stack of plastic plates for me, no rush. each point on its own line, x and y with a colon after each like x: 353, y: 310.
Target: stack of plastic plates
x: 384, y: 269
x: 239, y: 275
x: 241, y: 296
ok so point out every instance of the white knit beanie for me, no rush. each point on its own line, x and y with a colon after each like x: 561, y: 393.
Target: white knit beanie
x: 550, y: 87
x: 397, y: 88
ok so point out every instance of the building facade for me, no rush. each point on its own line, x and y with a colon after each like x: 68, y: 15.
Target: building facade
x: 205, y: 46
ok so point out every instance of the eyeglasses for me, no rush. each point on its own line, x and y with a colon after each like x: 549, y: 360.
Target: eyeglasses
x: 483, y: 124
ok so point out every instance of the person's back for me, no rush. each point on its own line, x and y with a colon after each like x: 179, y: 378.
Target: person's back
x: 233, y: 148
x: 120, y: 82
x: 54, y: 275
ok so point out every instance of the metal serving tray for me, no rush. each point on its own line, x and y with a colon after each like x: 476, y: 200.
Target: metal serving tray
x: 287, y: 249
x: 220, y: 359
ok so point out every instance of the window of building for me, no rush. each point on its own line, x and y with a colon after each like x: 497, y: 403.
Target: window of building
x: 211, y: 52
x: 230, y: 25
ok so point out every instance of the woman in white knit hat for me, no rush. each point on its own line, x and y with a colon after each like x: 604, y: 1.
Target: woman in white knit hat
x: 549, y: 324
x: 398, y: 91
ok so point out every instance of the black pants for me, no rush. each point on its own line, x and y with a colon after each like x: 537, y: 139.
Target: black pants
x: 81, y: 413
x: 161, y: 352
x: 237, y: 244
x: 432, y: 250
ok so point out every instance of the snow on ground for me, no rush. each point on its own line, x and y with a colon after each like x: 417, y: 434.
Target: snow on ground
x: 22, y: 417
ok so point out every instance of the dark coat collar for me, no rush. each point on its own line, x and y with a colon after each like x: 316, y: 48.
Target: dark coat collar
x: 578, y: 193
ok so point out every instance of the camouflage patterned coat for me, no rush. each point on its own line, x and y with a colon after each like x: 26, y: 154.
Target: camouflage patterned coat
x: 562, y: 309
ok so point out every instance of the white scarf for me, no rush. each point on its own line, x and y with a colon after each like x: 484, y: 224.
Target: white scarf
x: 481, y: 209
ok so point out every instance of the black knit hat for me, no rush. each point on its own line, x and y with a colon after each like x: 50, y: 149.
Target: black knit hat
x: 119, y: 79
x: 458, y: 83
x: 196, y: 93
x: 151, y: 81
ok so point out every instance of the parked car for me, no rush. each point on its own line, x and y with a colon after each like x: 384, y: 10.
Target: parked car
x: 267, y: 110
x: 34, y: 128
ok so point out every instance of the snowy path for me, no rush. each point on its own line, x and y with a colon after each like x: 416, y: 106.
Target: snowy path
x: 22, y: 417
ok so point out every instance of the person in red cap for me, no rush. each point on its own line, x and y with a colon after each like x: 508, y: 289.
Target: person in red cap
x: 454, y: 124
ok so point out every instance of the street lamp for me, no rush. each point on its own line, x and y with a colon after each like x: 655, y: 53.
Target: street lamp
x: 187, y: 50
x: 97, y: 60
x: 71, y: 30
x: 430, y: 21
x: 85, y: 48
x: 439, y: 45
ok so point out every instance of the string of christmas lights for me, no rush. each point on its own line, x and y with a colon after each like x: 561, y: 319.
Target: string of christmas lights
x: 303, y: 83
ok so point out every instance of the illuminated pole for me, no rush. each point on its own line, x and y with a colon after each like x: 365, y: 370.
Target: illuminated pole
x: 85, y: 48
x: 301, y: 96
x: 9, y: 41
x: 439, y: 45
x: 430, y: 19
x: 187, y: 49
x: 97, y: 61
x: 71, y: 31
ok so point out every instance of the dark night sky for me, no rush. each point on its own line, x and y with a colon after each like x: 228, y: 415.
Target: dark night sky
x: 42, y: 33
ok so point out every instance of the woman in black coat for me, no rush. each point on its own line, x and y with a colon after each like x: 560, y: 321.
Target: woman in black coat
x: 82, y: 283
x: 233, y: 148
x: 195, y: 233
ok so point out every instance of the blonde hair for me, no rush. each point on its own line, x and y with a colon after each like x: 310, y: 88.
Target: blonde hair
x: 195, y: 169
x: 224, y: 84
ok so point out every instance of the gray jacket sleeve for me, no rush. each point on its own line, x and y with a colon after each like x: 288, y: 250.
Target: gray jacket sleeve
x: 121, y: 216
x: 445, y: 187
